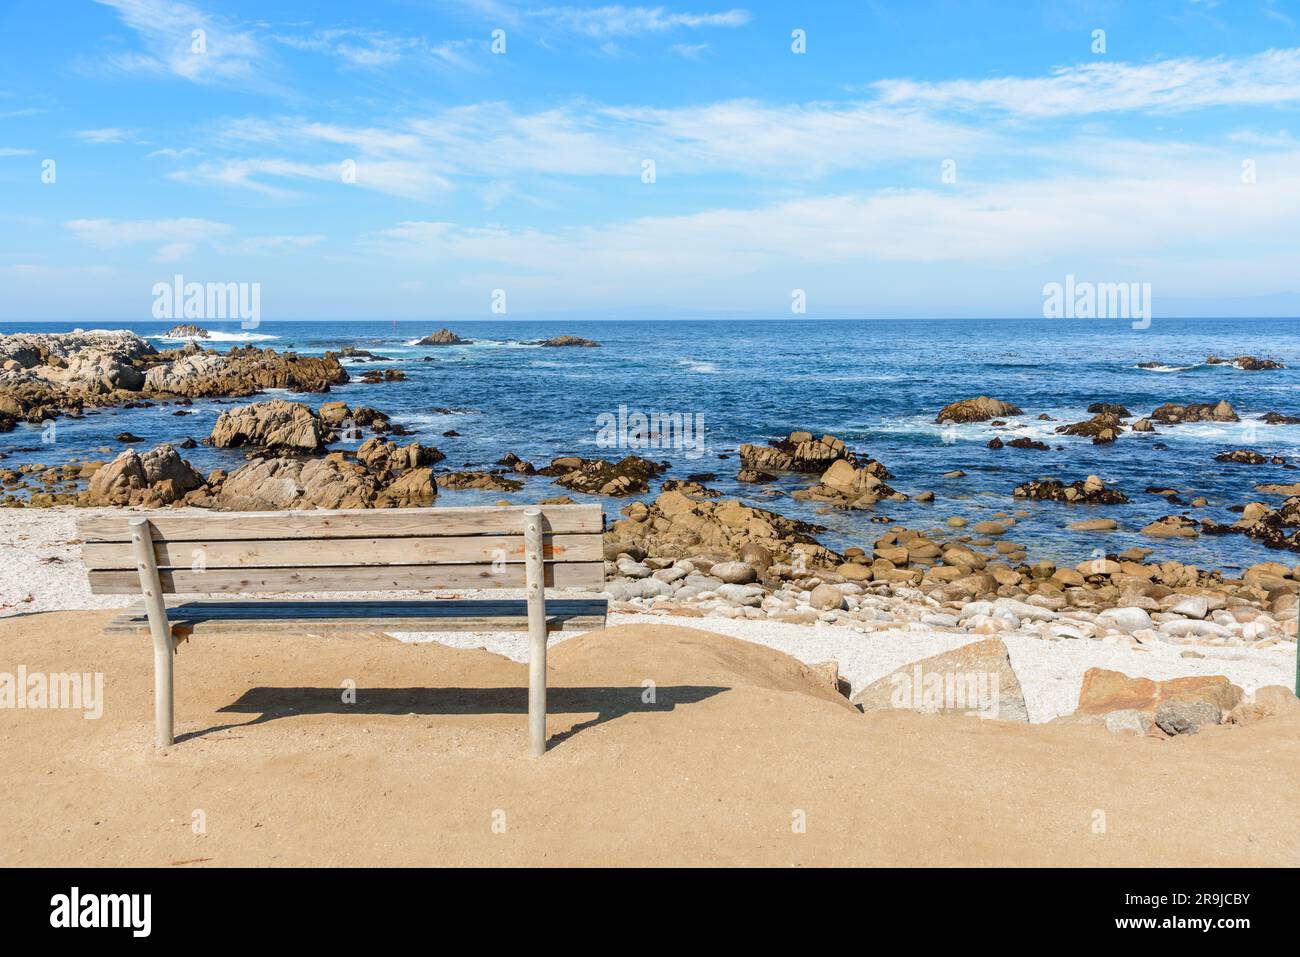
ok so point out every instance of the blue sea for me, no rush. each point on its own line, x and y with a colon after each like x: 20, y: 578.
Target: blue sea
x: 876, y: 384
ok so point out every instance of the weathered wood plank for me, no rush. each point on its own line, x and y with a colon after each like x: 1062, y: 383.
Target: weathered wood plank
x: 304, y: 553
x: 345, y: 578
x: 342, y: 523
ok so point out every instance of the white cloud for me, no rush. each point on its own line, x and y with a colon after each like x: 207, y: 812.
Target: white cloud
x: 692, y: 51
x: 178, y: 239
x: 1170, y: 85
x: 358, y: 48
x: 223, y: 52
x: 421, y: 157
x: 616, y: 20
x: 15, y: 151
x: 169, y: 152
x: 109, y: 134
x: 1185, y: 212
x: 117, y: 233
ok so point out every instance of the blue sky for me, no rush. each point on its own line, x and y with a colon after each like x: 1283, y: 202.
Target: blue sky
x: 1170, y: 157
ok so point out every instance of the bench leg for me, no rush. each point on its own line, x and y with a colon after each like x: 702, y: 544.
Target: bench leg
x: 159, y: 628
x: 535, y: 580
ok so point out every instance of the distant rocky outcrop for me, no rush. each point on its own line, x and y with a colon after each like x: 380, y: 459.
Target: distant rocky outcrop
x: 443, y: 337
x: 361, y: 355
x: 979, y: 409
x: 1103, y: 427
x: 797, y: 452
x: 187, y: 332
x: 485, y: 481
x: 1091, y: 490
x: 375, y: 376
x: 630, y: 475
x: 1246, y: 363
x: 1171, y: 413
x: 1275, y: 527
x: 1279, y: 418
x: 572, y: 341
x: 1249, y: 457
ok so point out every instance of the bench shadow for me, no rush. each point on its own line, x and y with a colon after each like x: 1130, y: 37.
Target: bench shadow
x: 607, y: 703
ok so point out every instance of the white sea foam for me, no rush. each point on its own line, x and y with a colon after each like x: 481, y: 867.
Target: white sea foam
x: 215, y: 336
x: 1161, y: 367
x: 696, y: 366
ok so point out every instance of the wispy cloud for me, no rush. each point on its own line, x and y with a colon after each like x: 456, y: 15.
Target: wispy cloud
x: 182, y: 40
x: 1014, y: 225
x: 109, y: 134
x: 178, y: 239
x: 616, y: 20
x: 423, y: 156
x: 1169, y: 85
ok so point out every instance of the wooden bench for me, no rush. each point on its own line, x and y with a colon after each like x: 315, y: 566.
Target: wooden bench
x: 348, y: 550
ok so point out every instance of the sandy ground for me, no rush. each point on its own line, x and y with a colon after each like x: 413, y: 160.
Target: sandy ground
x: 745, y: 757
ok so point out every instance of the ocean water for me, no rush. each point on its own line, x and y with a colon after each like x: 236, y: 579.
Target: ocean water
x: 876, y: 384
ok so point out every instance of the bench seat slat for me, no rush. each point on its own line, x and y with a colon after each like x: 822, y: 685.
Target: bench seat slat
x: 343, y: 523
x: 304, y: 553
x: 348, y: 578
x: 199, y: 618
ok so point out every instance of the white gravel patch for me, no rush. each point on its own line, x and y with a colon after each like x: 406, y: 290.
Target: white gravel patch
x: 1050, y: 672
x: 42, y: 571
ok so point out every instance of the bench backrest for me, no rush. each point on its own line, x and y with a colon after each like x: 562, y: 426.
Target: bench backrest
x: 357, y: 550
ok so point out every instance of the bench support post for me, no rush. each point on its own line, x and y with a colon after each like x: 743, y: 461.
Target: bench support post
x: 535, y: 580
x: 159, y: 628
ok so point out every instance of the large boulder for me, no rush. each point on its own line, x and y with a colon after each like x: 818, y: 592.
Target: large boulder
x: 975, y: 679
x: 386, y: 458
x: 844, y: 485
x: 275, y: 424
x: 678, y: 525
x: 263, y: 485
x: 180, y: 376
x: 334, y: 481
x: 797, y: 452
x: 244, y: 371
x: 1158, y: 708
x: 158, y: 477
x: 979, y: 409
x: 413, y: 488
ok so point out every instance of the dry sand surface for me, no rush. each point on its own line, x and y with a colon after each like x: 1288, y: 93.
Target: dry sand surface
x: 428, y: 767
